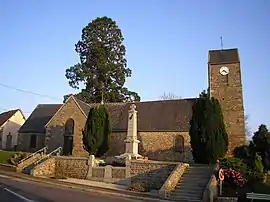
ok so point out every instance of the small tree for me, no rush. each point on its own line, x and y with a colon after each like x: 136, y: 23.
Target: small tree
x: 261, y: 140
x: 96, y: 134
x: 209, y: 139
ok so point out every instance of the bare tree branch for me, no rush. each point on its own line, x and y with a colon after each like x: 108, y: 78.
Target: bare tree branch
x: 169, y: 96
x: 248, y: 131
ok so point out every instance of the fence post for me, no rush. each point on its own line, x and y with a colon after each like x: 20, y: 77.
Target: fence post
x: 108, y: 173
x: 91, y: 164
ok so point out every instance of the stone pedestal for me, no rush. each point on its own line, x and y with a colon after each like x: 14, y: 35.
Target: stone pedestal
x: 132, y: 141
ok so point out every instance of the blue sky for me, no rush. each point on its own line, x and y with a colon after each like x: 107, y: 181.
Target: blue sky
x: 167, y: 44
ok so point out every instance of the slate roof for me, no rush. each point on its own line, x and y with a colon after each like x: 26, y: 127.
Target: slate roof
x: 161, y: 115
x: 38, y: 119
x: 223, y: 56
x: 6, y: 116
x: 165, y: 115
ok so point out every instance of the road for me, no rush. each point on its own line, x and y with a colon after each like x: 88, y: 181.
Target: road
x: 19, y: 190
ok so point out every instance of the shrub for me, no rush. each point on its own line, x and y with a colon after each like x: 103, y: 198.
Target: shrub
x: 96, y: 134
x: 208, y: 136
x: 233, y: 163
x: 14, y: 160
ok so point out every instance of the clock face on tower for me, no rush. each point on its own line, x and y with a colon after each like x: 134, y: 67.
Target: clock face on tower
x: 224, y: 71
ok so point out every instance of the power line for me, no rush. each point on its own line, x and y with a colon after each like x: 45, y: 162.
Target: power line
x: 29, y: 92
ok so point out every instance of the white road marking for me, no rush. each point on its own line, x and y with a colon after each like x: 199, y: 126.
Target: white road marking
x: 4, y: 176
x: 18, y: 195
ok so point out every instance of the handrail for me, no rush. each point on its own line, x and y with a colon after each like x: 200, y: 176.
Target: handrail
x: 56, y: 151
x: 33, y: 154
x: 258, y: 196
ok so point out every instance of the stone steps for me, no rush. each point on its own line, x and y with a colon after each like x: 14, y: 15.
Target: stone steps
x: 192, y: 184
x: 28, y: 169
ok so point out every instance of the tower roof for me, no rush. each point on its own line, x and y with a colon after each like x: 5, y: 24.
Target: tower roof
x: 223, y: 56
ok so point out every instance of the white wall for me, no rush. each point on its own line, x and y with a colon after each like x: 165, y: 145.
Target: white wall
x: 12, y: 126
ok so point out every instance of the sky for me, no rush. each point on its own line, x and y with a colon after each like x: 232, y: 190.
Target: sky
x: 167, y: 44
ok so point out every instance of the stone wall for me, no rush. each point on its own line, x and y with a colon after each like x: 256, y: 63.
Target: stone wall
x: 152, y: 173
x: 73, y: 167
x: 24, y: 142
x: 56, y: 128
x: 226, y: 199
x: 159, y: 146
x: 211, y: 191
x: 172, y: 180
x: 28, y: 161
x: 230, y: 95
x: 46, y: 168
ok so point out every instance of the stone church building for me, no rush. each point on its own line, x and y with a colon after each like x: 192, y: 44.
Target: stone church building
x: 162, y: 125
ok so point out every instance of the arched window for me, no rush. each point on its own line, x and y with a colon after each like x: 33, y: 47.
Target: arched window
x: 179, y: 144
x: 69, y: 127
x: 68, y: 137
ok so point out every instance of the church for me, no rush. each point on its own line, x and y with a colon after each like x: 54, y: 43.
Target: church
x: 163, y: 125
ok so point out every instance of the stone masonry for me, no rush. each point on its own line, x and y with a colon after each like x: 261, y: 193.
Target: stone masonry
x: 229, y: 93
x: 156, y: 145
x: 24, y: 142
x: 56, y: 128
x: 154, y: 173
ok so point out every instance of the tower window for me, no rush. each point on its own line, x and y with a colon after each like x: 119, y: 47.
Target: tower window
x: 227, y: 79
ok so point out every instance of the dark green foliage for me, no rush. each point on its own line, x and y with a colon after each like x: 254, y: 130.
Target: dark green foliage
x: 242, y: 152
x: 209, y: 139
x: 103, y: 65
x: 261, y: 140
x: 96, y: 134
x: 233, y: 163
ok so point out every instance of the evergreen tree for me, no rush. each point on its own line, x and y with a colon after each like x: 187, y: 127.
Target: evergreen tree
x: 103, y: 66
x: 208, y: 136
x: 96, y: 134
x: 261, y: 140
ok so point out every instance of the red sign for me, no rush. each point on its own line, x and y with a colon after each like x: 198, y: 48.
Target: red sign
x: 221, y: 174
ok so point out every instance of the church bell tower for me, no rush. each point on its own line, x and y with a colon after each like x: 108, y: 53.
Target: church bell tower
x: 224, y: 77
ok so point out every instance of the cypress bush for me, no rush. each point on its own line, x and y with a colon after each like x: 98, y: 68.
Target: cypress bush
x: 208, y: 136
x: 97, y: 130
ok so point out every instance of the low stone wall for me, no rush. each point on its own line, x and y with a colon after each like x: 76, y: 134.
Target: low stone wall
x: 211, y: 192
x: 73, y: 167
x: 226, y: 199
x: 152, y: 173
x: 46, y: 168
x: 8, y: 167
x: 172, y: 180
x: 28, y: 162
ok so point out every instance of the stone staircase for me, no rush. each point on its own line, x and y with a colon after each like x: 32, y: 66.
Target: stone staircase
x: 28, y: 169
x: 192, y: 184
x: 30, y: 159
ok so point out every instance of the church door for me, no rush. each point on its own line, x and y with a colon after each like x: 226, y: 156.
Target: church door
x: 9, y: 142
x: 68, y: 137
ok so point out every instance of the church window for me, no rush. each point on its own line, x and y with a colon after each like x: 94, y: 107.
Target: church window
x: 179, y: 144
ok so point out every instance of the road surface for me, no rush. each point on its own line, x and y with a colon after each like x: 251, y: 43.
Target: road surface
x: 18, y: 190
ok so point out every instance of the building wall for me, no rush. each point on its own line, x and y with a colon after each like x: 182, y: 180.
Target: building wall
x: 56, y: 128
x: 155, y: 145
x: 11, y: 127
x: 230, y: 96
x: 24, y: 141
